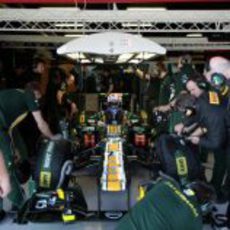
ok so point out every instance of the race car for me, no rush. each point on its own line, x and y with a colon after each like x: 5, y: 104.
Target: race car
x: 111, y: 139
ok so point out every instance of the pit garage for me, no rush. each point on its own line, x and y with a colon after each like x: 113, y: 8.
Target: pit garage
x: 100, y: 140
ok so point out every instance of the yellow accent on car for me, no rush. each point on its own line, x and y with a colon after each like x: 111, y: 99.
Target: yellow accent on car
x: 114, y: 129
x: 113, y: 147
x: 68, y: 218
x: 114, y: 186
x: 82, y: 118
x: 61, y: 194
x: 45, y: 179
x: 113, y: 177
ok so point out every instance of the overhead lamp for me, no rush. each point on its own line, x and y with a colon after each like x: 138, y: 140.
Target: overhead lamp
x: 76, y: 56
x: 135, y: 61
x: 74, y: 35
x: 194, y: 35
x: 146, y: 9
x: 85, y: 61
x: 145, y: 56
x: 99, y: 60
x: 135, y: 24
x: 69, y: 24
x: 124, y: 57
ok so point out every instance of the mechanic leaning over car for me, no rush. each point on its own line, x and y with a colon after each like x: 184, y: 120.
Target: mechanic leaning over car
x: 15, y: 104
x: 211, y: 134
x: 175, y: 85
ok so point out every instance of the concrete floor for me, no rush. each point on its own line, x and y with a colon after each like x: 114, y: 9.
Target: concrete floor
x: 92, y: 225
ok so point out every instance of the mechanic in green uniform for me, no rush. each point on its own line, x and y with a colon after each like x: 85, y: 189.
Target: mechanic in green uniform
x: 14, y: 106
x: 168, y: 207
x: 172, y: 86
x: 64, y: 99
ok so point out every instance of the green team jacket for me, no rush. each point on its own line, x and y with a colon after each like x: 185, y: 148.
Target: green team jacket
x: 14, y: 106
x: 164, y: 207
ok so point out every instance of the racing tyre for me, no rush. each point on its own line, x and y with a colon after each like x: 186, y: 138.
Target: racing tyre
x: 54, y: 165
x: 167, y: 148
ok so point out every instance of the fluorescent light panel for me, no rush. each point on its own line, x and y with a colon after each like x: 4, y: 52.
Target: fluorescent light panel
x: 198, y: 35
x: 134, y: 61
x: 74, y: 35
x: 145, y: 56
x: 124, y: 58
x: 76, y: 56
x: 84, y: 61
x: 69, y: 24
x: 134, y: 24
x: 99, y: 60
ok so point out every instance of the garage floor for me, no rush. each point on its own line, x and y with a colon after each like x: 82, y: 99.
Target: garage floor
x: 88, y: 184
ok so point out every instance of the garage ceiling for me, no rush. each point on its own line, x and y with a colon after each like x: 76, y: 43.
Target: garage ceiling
x: 27, y: 26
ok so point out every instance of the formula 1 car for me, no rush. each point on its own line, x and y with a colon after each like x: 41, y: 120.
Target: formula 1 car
x: 111, y: 139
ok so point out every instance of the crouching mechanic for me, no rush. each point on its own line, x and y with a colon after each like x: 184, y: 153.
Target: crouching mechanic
x: 168, y: 206
x: 14, y: 106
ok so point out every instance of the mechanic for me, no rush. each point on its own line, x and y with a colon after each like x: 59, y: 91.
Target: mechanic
x: 168, y: 206
x: 51, y: 108
x: 210, y: 115
x: 14, y: 106
x: 217, y: 72
x: 66, y: 103
x: 217, y: 65
x: 107, y: 82
x: 175, y: 85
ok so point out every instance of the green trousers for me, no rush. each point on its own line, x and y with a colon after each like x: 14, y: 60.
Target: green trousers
x: 163, y: 208
x: 7, y: 146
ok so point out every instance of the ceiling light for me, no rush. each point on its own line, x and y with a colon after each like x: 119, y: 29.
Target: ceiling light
x: 146, y: 8
x: 99, y: 60
x: 145, y: 56
x: 135, y: 24
x: 74, y: 35
x: 135, y: 61
x: 194, y: 35
x: 69, y: 24
x: 124, y: 58
x: 76, y: 56
x: 85, y: 61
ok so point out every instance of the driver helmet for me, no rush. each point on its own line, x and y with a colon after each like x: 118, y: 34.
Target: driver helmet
x: 114, y: 100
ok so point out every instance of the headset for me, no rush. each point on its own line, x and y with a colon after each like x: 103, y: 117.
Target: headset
x: 218, y: 81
